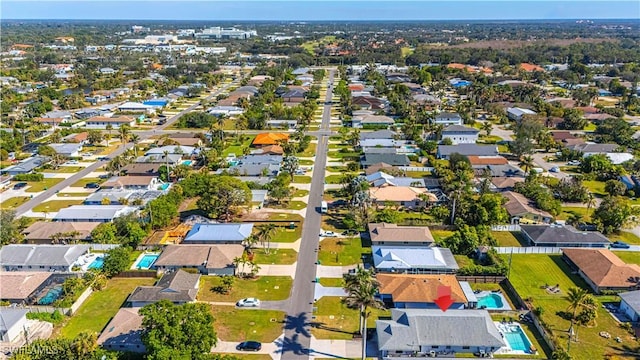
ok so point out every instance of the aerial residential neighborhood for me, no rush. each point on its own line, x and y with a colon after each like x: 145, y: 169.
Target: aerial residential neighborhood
x: 294, y: 190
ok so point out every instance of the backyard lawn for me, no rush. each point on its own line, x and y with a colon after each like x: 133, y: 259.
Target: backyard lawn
x: 102, y: 305
x: 529, y: 274
x: 263, y: 288
x: 232, y: 324
x: 625, y: 236
x: 630, y: 257
x: 334, y: 320
x: 301, y: 179
x: 596, y: 187
x: 441, y: 234
x: 55, y: 205
x: 37, y: 186
x: 237, y: 147
x: 568, y: 211
x: 13, y: 202
x: 341, y: 251
x: 275, y: 256
x: 507, y: 238
x: 284, y: 234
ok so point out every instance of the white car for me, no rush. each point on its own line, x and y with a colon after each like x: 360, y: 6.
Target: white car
x: 72, y: 162
x: 574, y: 163
x: 248, y: 302
x: 328, y: 234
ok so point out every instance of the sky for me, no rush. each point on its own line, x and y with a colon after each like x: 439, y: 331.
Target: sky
x: 309, y: 10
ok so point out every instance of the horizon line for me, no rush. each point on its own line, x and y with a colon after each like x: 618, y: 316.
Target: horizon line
x: 325, y: 20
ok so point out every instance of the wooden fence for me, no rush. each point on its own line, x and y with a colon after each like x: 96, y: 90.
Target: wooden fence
x: 137, y: 274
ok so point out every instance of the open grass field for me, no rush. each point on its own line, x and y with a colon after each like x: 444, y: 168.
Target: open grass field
x: 55, y: 205
x: 334, y: 320
x: 287, y: 235
x: 507, y: 238
x: 342, y: 251
x: 275, y: 256
x: 529, y: 274
x: 102, y: 305
x: 234, y: 324
x: 441, y: 234
x: 37, y: 186
x: 263, y: 288
x: 238, y: 147
x: 596, y: 187
x: 13, y: 202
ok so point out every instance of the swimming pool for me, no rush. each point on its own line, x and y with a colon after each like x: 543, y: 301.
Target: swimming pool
x: 515, y: 337
x: 97, y: 263
x: 146, y: 261
x: 490, y: 301
x: 187, y: 162
x: 52, y: 295
x: 164, y: 186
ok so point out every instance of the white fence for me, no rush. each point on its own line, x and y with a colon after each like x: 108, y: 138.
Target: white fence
x: 416, y: 168
x: 505, y: 227
x: 528, y: 250
x: 103, y: 247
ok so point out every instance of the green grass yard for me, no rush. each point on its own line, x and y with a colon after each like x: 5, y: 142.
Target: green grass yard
x: 83, y: 182
x: 342, y: 251
x: 232, y: 324
x: 300, y: 193
x: 263, y: 288
x: 506, y: 238
x: 63, y: 170
x: 55, y: 205
x: 37, y: 186
x: 568, y: 211
x: 630, y: 257
x: 596, y: 187
x: 238, y: 147
x: 275, y: 256
x: 301, y: 179
x: 331, y: 282
x: 101, y: 306
x: 334, y: 320
x: 13, y: 202
x: 529, y: 273
x: 625, y: 236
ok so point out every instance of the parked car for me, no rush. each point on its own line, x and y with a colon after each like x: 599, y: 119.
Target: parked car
x: 92, y: 186
x: 350, y: 232
x: 248, y: 302
x: 574, y: 163
x: 104, y: 176
x: 72, y: 162
x: 554, y: 169
x: 328, y: 234
x: 249, y: 346
x: 20, y: 185
x: 103, y: 158
x: 620, y: 245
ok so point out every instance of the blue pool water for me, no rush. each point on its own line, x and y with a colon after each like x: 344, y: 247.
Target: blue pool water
x: 52, y: 295
x: 187, y: 162
x: 164, y: 186
x: 97, y: 263
x: 490, y: 301
x: 516, y: 338
x: 147, y: 261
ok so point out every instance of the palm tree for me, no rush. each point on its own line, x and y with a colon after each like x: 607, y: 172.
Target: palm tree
x: 124, y: 134
x: 591, y: 202
x: 250, y: 242
x: 109, y: 127
x: 239, y: 261
x: 362, y: 289
x: 578, y: 299
x: 527, y: 163
x: 265, y: 234
x: 487, y: 127
x: 135, y: 139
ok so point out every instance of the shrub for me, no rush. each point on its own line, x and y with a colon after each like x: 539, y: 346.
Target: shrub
x: 28, y: 177
x: 55, y: 318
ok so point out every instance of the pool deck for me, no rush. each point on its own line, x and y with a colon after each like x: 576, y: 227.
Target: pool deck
x: 86, y: 260
x: 505, y: 303
x: 507, y: 350
x: 139, y: 258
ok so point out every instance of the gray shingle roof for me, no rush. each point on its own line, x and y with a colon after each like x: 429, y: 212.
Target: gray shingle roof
x: 401, y: 258
x: 178, y: 286
x: 92, y: 212
x: 41, y: 255
x: 391, y: 159
x: 218, y: 233
x: 459, y: 128
x: 562, y: 234
x: 410, y: 329
x: 632, y: 298
x: 468, y: 149
x: 379, y: 134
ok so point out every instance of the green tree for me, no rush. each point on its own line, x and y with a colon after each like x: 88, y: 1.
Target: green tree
x: 613, y: 213
x: 579, y: 300
x: 105, y: 233
x: 290, y: 164
x: 116, y: 261
x: 615, y: 187
x: 265, y: 234
x: 222, y: 196
x: 9, y: 227
x: 170, y: 331
x: 94, y: 137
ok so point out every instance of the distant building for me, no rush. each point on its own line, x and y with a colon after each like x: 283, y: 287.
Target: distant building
x: 228, y: 233
x: 446, y: 118
x: 217, y: 32
x: 460, y: 134
x: 517, y: 113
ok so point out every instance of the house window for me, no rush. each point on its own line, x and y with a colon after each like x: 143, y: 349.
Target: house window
x: 466, y: 347
x: 434, y: 346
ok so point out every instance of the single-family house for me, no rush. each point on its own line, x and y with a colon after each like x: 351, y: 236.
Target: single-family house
x: 226, y: 110
x: 132, y: 183
x: 446, y: 119
x: 523, y: 211
x: 294, y: 96
x: 392, y: 159
x: 172, y: 149
x: 603, y: 270
x: 380, y: 179
x: 392, y: 234
x: 269, y: 150
x: 67, y: 150
x: 562, y: 236
x: 369, y: 103
x: 406, y: 196
x: 445, y: 151
x: 108, y: 197
x: 44, y: 232
x: 207, y: 259
x: 101, y: 122
x: 229, y: 233
x: 13, y: 323
x: 374, y: 121
x: 265, y: 139
x: 505, y: 183
x: 383, y: 134
x: 414, y: 260
x: 530, y: 67
x: 16, y: 287
x: 429, y: 332
x: 460, y: 134
x: 282, y: 124
x: 506, y: 170
x: 53, y: 122
x: 170, y: 159
x: 135, y: 107
x: 258, y: 197
x: 630, y: 305
x: 482, y: 161
x: 142, y: 169
x: 48, y: 258
x: 184, y: 141
x: 123, y: 332
x: 610, y: 150
x: 516, y: 113
x: 77, y: 138
x: 179, y: 287
x: 255, y: 165
x: 92, y: 213
x: 566, y: 138
x: 418, y: 291
x: 26, y: 166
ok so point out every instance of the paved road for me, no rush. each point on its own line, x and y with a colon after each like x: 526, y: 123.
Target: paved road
x: 79, y: 175
x: 297, y: 336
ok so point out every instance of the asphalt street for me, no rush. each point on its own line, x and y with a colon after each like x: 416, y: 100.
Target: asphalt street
x: 93, y: 167
x: 297, y: 336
